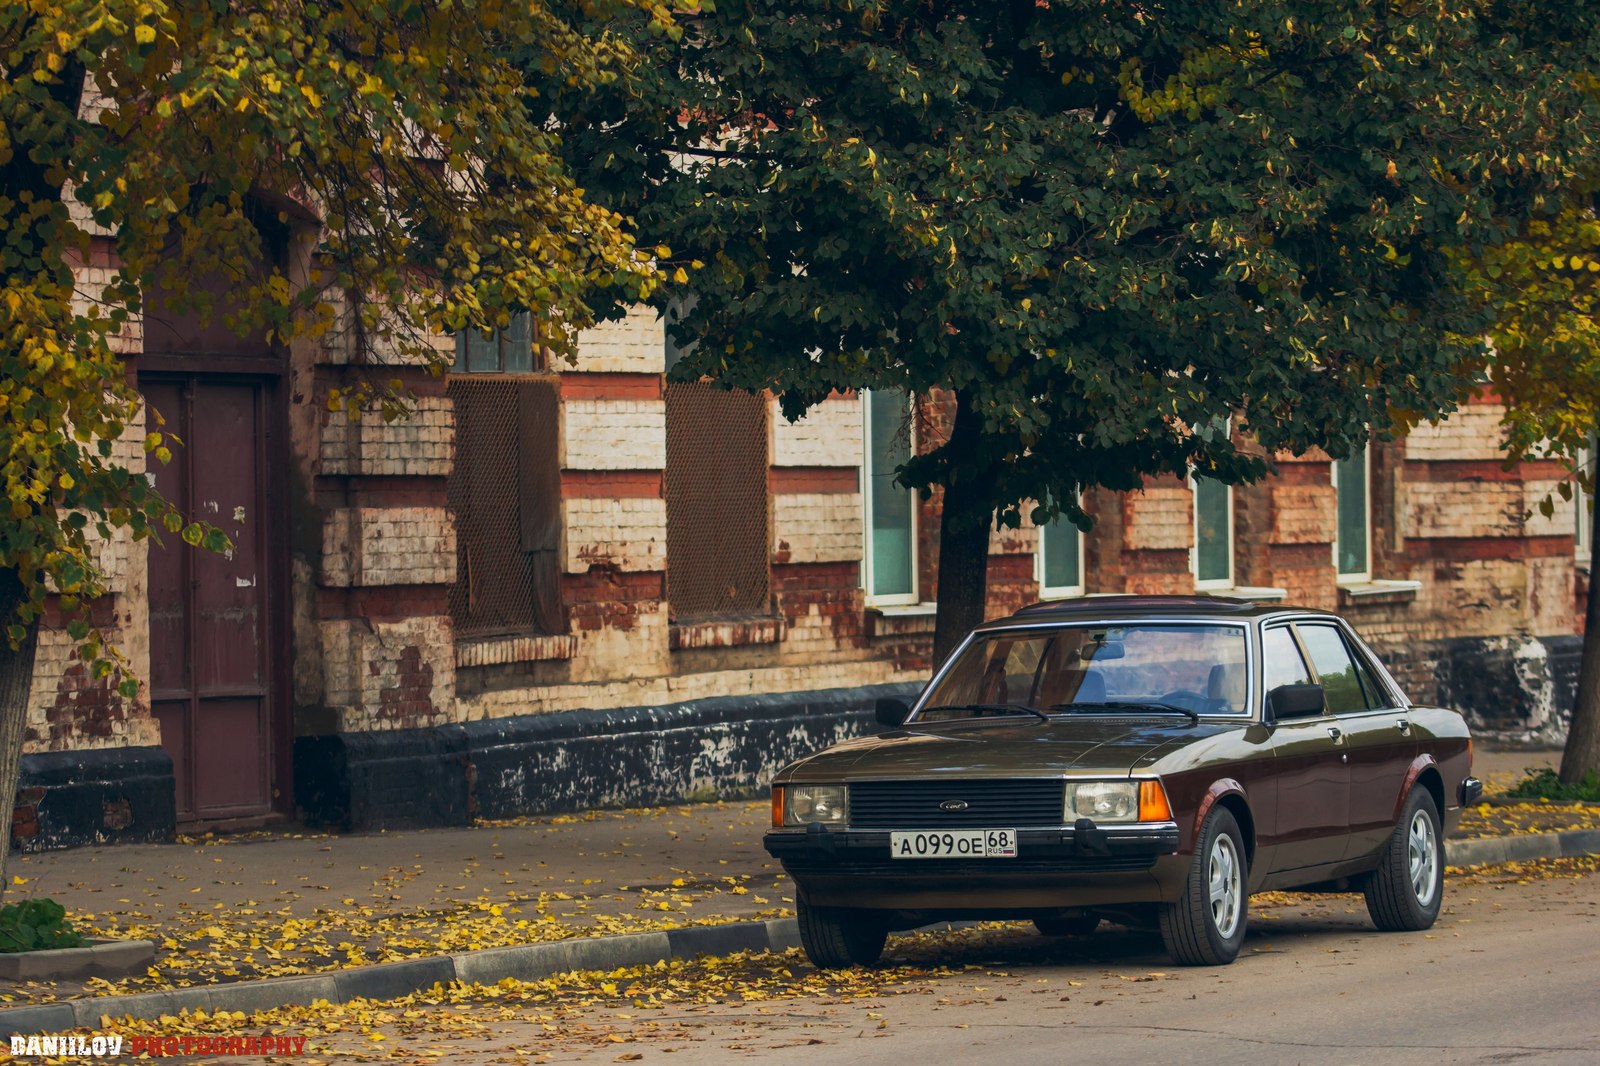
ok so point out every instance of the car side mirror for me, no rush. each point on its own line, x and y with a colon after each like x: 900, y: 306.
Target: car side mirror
x: 891, y: 712
x: 1295, y: 701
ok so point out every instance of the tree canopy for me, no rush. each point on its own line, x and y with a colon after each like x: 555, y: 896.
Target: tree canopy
x: 1103, y: 226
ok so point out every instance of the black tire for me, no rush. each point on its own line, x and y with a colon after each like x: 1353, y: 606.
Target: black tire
x: 836, y: 938
x: 1081, y: 924
x: 1206, y: 926
x: 1406, y: 890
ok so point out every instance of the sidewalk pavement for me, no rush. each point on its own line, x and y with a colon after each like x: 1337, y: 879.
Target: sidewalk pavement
x: 287, y: 917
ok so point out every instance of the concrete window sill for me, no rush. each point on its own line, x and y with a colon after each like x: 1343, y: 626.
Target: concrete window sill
x: 1365, y: 593
x: 905, y: 620
x: 1247, y: 592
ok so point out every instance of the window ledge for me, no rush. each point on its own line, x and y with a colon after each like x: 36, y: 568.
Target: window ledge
x: 684, y: 636
x: 905, y: 620
x: 1376, y: 592
x: 497, y: 651
x: 1247, y: 592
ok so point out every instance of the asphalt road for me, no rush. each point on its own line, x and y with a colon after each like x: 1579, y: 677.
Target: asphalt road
x: 1507, y: 975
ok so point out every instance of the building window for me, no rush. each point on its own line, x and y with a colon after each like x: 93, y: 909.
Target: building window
x: 719, y: 529
x: 1212, y: 556
x: 891, y: 549
x: 1060, y: 559
x: 501, y: 351
x: 1583, y: 504
x: 504, y: 488
x: 1352, y: 543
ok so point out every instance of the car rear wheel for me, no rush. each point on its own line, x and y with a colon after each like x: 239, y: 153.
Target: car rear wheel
x: 836, y: 937
x: 1081, y: 924
x: 1206, y: 926
x: 1406, y: 890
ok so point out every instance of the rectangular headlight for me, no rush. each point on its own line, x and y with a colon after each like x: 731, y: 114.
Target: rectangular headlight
x: 810, y: 804
x: 1103, y: 801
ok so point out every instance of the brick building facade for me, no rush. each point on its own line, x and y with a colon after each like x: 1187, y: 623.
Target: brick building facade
x: 558, y: 587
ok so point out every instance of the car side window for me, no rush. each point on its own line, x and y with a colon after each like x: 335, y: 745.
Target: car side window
x: 1281, y: 662
x: 1377, y: 694
x: 1335, y: 669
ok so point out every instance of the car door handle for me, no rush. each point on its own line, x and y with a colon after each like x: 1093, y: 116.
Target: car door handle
x: 1404, y: 726
x: 1338, y: 737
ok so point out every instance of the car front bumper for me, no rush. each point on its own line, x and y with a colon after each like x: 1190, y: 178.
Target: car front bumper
x: 1068, y: 866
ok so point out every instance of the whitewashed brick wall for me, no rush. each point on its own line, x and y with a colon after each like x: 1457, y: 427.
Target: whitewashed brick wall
x: 419, y: 445
x: 830, y: 434
x: 1161, y: 517
x: 1473, y: 432
x: 388, y: 546
x: 633, y: 345
x: 389, y: 675
x: 630, y: 534
x: 1303, y: 514
x: 1463, y: 509
x: 615, y: 434
x: 818, y: 527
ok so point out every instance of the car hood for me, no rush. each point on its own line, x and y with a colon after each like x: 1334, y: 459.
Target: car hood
x: 1009, y: 748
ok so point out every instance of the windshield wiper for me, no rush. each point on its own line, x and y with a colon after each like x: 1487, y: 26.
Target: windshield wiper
x: 1009, y: 708
x: 1153, y: 705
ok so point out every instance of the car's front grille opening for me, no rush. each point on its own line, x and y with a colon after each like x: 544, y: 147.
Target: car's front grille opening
x: 955, y: 804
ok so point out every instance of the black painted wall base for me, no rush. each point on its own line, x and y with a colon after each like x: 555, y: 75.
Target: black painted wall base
x: 100, y: 796
x: 537, y: 764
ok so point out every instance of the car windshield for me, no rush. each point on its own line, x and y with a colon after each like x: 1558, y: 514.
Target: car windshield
x: 1095, y: 669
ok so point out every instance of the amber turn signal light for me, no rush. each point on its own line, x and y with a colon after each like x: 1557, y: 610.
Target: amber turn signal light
x: 777, y: 806
x: 1153, y: 805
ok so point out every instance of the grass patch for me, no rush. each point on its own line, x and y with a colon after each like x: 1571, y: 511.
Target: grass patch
x: 1544, y: 784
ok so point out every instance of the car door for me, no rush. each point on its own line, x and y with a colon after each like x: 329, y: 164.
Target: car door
x: 1310, y: 771
x: 1377, y: 733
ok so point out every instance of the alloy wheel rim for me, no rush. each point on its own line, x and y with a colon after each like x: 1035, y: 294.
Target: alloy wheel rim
x: 1422, y: 855
x: 1223, y: 886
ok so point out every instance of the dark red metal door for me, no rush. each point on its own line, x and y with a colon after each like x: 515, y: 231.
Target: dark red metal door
x: 211, y: 668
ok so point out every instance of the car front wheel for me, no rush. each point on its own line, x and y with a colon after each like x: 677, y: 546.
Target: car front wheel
x: 1405, y: 891
x: 835, y: 937
x: 1206, y: 926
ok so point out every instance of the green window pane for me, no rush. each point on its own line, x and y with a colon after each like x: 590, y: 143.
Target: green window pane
x: 1213, y: 531
x: 1351, y: 478
x: 516, y: 345
x: 889, y: 506
x: 1060, y: 540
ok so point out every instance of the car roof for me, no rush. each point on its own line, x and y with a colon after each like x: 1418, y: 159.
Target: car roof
x: 1120, y: 607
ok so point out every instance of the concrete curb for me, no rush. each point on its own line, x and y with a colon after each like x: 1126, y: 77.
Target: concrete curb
x: 390, y: 980
x: 1489, y: 850
x: 529, y: 961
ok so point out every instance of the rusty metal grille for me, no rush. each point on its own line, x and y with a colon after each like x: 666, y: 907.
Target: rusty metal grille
x: 718, y: 521
x: 505, y: 493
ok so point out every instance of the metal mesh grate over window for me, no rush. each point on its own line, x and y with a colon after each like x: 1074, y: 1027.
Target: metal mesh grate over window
x: 718, y: 525
x: 505, y: 493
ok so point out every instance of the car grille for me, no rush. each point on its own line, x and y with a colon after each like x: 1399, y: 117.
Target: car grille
x: 989, y: 804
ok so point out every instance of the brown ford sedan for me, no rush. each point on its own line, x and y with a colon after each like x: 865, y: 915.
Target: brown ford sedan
x: 1151, y: 759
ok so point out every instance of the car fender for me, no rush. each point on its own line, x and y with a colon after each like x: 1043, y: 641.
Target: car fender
x: 1225, y: 786
x: 1419, y: 764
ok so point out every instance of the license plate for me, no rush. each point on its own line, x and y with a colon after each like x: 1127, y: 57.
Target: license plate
x: 955, y: 844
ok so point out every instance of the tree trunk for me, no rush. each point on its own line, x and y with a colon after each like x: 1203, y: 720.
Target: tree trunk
x: 963, y: 533
x: 16, y: 679
x: 1582, y: 754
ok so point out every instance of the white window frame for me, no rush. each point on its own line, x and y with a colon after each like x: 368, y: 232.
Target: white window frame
x: 1359, y: 577
x: 1194, y: 552
x: 1583, y: 525
x: 897, y: 599
x: 1058, y: 592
